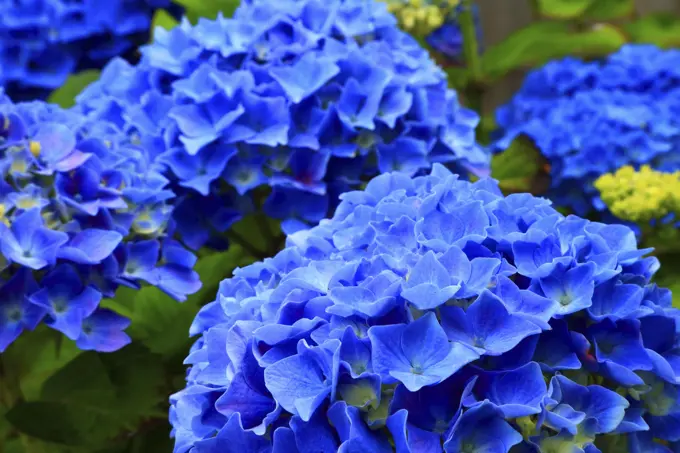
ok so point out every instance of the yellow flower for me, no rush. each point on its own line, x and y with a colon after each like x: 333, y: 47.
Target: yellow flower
x: 421, y: 17
x: 640, y: 195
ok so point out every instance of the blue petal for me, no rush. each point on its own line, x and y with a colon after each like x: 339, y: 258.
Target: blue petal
x: 304, y: 77
x: 284, y: 441
x: 615, y: 300
x: 410, y: 439
x: 572, y: 288
x: 103, y: 332
x: 248, y: 396
x: 495, y: 329
x: 436, y: 408
x: 234, y: 439
x: 316, y: 435
x: 298, y: 384
x: 91, y: 246
x: 353, y: 432
x: 417, y: 354
x: 559, y: 349
x: 355, y: 300
x: 428, y: 284
x: 496, y: 437
x: 537, y: 258
x: 518, y: 393
x: 525, y: 304
x: 619, y: 349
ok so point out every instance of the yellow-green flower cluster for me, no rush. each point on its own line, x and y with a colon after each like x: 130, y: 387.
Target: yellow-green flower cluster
x: 421, y: 17
x: 640, y: 195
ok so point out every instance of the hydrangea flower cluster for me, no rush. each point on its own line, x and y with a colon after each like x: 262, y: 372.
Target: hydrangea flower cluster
x: 308, y: 98
x: 42, y: 42
x: 641, y: 196
x: 82, y: 211
x: 420, y: 18
x: 591, y: 118
x: 433, y: 314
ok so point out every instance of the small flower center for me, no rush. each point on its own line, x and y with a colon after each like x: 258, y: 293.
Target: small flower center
x: 14, y: 314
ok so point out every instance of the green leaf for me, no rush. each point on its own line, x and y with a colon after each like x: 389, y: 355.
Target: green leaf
x: 662, y: 29
x: 164, y: 20
x: 563, y: 9
x: 202, y: 8
x: 610, y: 10
x: 53, y: 422
x: 83, y: 380
x: 541, y: 42
x: 65, y: 95
x: 35, y: 356
x: 520, y: 168
x: 154, y: 440
x: 521, y: 160
x: 160, y: 322
x: 61, y: 428
x: 95, y: 399
x: 13, y: 446
x: 141, y: 387
x: 487, y: 125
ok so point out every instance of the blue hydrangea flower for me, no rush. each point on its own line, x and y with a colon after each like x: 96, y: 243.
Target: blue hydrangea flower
x: 431, y: 314
x: 285, y: 106
x: 83, y: 210
x: 592, y: 118
x: 42, y: 42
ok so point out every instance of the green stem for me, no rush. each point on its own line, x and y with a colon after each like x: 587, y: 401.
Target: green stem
x: 473, y: 95
x: 470, y: 45
x: 635, y: 15
x: 535, y: 10
x: 474, y: 92
x: 267, y: 233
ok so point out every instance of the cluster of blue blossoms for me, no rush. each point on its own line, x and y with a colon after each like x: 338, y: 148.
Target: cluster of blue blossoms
x: 42, y: 42
x: 82, y: 210
x: 433, y: 314
x: 282, y: 108
x: 591, y: 118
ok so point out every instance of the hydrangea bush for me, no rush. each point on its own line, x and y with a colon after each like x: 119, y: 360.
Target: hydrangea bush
x: 283, y: 107
x: 82, y: 211
x: 432, y: 314
x: 43, y: 42
x: 591, y: 118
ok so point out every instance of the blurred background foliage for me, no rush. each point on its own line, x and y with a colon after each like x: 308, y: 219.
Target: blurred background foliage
x: 56, y: 398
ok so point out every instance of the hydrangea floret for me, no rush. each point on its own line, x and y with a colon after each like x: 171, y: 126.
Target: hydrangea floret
x: 43, y: 42
x: 82, y: 211
x: 284, y: 106
x: 429, y: 315
x: 592, y: 118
